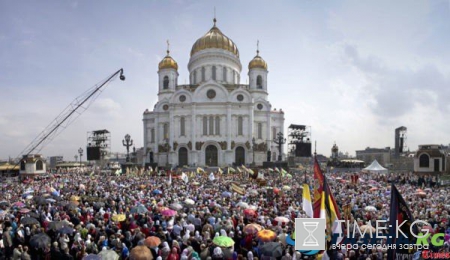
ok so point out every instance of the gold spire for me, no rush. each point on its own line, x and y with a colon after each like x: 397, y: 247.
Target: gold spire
x: 168, y: 62
x: 257, y: 48
x: 214, y: 20
x: 257, y: 61
x: 168, y: 47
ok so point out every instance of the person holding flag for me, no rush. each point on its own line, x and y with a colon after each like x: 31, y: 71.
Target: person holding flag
x: 325, y: 206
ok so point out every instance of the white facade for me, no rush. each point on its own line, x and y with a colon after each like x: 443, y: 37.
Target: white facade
x: 32, y: 164
x: 213, y: 120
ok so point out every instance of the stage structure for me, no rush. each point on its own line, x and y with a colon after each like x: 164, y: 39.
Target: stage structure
x: 400, y: 141
x: 98, y: 145
x: 299, y: 140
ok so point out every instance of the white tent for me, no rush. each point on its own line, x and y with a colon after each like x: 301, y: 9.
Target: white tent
x: 375, y: 167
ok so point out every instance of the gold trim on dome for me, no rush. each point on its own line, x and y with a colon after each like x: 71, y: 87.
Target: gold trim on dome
x: 214, y: 38
x: 168, y: 63
x: 257, y: 62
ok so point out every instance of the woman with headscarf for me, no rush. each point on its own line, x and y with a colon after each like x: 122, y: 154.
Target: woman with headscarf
x: 223, y: 233
x: 249, y: 255
x: 217, y: 254
x: 165, y: 251
x: 198, y: 237
x: 185, y: 255
x: 175, y: 244
x: 173, y: 254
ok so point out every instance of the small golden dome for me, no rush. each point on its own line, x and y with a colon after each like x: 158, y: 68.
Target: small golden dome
x: 257, y: 62
x: 215, y: 39
x: 168, y: 63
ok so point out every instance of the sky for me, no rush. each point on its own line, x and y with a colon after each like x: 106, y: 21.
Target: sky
x: 352, y: 70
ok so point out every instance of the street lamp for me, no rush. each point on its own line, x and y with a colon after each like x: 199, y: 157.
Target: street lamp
x: 127, y: 142
x: 167, y: 151
x: 280, y: 140
x: 80, y: 151
x: 253, y: 148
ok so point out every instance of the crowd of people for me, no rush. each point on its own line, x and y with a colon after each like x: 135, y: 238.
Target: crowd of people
x: 79, y: 215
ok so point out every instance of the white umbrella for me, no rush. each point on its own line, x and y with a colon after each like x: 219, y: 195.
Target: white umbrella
x: 282, y: 219
x: 253, y: 192
x: 108, y: 255
x: 253, y: 207
x: 370, y: 208
x: 243, y: 205
x: 189, y: 202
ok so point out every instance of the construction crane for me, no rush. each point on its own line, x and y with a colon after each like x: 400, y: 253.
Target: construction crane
x: 68, y: 115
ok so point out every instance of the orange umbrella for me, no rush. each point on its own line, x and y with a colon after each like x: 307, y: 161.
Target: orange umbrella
x: 252, y: 228
x: 152, y: 241
x: 266, y: 235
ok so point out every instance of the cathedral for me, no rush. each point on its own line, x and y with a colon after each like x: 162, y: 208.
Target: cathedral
x: 214, y: 120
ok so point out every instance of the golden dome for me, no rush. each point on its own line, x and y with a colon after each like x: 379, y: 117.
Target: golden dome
x: 257, y: 62
x: 215, y: 39
x: 168, y: 63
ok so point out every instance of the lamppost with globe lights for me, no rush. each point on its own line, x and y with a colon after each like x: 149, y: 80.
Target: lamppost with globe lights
x: 127, y: 142
x: 253, y: 148
x: 80, y: 151
x: 280, y: 140
x: 166, y: 140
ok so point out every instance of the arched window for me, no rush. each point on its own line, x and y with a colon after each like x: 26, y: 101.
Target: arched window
x: 274, y: 133
x: 224, y: 76
x: 39, y: 165
x: 214, y: 72
x: 259, y: 130
x: 240, y: 125
x: 211, y: 125
x: 259, y: 82
x: 22, y: 165
x: 182, y: 127
x: 166, y: 82
x: 166, y: 131
x: 205, y: 125
x: 152, y: 135
x: 203, y: 74
x: 424, y: 161
x: 194, y: 81
x: 217, y: 125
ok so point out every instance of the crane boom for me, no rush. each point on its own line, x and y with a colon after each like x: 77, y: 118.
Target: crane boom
x: 68, y: 115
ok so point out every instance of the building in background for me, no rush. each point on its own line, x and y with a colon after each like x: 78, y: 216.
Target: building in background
x: 430, y: 158
x: 382, y: 155
x: 54, y: 160
x: 214, y: 120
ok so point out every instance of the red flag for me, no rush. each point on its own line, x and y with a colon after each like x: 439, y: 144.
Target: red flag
x: 318, y: 188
